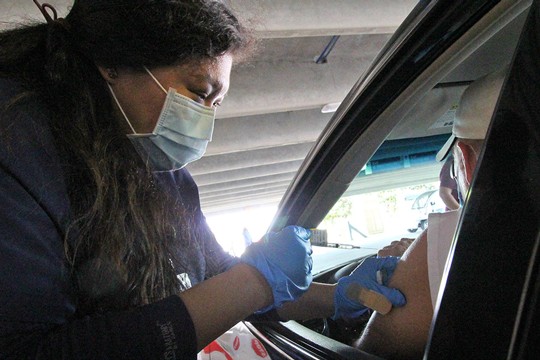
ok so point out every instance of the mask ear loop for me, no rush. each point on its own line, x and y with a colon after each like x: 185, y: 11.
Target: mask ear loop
x: 118, y: 102
x: 120, y: 107
x: 156, y: 80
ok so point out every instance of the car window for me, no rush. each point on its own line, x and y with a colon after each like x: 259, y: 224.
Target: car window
x: 381, y: 207
x: 392, y: 195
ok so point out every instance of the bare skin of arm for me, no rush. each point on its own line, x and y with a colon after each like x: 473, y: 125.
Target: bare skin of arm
x: 217, y: 304
x: 223, y: 297
x: 317, y: 302
x: 402, y: 333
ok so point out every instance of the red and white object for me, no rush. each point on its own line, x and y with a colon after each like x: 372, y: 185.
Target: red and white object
x: 236, y: 344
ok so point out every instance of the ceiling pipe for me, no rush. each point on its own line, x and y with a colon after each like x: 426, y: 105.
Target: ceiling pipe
x: 323, y: 58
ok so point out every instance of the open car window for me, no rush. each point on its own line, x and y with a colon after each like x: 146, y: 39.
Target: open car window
x: 393, y: 192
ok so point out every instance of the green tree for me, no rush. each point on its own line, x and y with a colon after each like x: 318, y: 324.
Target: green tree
x: 341, y: 210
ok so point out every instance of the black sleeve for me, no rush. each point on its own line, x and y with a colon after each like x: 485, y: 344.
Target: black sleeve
x: 162, y: 330
x: 37, y: 303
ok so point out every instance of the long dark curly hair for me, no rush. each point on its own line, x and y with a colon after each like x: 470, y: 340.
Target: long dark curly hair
x: 123, y: 226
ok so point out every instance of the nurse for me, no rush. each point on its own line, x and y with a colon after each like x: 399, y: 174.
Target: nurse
x: 104, y: 250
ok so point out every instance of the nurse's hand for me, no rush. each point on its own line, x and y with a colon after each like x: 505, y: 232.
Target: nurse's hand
x: 284, y: 259
x: 372, y: 274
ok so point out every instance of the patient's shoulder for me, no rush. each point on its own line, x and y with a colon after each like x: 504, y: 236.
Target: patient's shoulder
x: 403, y: 332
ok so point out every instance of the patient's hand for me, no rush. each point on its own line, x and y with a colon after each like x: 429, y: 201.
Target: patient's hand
x: 396, y: 248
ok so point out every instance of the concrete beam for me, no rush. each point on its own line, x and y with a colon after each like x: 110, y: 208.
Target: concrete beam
x: 300, y: 18
x: 236, y: 193
x: 266, y: 131
x: 245, y: 159
x: 247, y: 183
x: 249, y: 173
x: 276, y: 18
x: 288, y: 79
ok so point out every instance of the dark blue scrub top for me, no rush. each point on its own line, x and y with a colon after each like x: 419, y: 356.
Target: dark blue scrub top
x: 37, y: 300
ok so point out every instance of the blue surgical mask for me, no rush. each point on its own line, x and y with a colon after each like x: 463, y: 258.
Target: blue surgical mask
x: 181, y: 135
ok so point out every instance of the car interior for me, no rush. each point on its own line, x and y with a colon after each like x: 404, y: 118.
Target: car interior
x: 394, y: 153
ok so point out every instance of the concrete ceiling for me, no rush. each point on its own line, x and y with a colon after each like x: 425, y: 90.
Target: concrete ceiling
x: 272, y: 114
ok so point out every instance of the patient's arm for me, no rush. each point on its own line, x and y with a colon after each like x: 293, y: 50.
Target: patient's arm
x: 403, y: 332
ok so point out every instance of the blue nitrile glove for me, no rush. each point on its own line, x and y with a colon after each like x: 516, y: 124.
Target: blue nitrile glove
x: 365, y: 275
x: 284, y: 259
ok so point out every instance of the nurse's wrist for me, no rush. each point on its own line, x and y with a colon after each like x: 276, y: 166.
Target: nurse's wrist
x: 259, y: 291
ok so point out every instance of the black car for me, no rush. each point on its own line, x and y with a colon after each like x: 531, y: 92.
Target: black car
x: 386, y: 135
